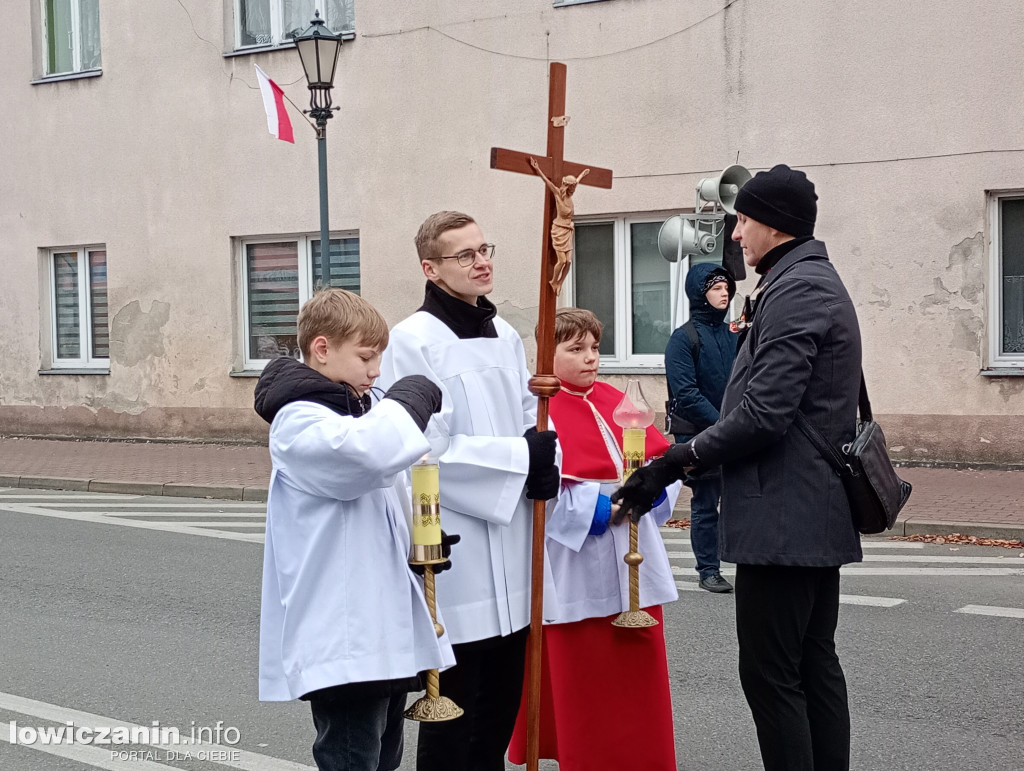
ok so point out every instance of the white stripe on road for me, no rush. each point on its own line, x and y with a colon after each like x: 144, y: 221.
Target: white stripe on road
x: 247, y: 761
x: 845, y: 599
x: 179, y: 528
x: 141, y: 505
x: 989, y: 610
x: 184, y: 514
x: 939, y: 560
x: 865, y: 544
x: 87, y: 755
x: 859, y: 571
x: 877, y: 602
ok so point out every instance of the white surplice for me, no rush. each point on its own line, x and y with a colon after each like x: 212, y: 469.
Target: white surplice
x: 590, y: 578
x: 340, y: 604
x: 486, y: 408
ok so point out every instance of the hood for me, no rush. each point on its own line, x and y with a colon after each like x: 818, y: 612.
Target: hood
x: 285, y: 380
x: 700, y: 308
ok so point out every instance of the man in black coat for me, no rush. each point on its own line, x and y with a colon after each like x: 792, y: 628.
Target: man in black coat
x: 785, y: 519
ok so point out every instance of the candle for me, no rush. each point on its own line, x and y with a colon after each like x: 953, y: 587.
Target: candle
x: 426, y: 514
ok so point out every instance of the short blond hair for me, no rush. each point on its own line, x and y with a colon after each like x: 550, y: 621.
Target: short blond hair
x: 338, y: 315
x: 432, y: 228
x: 574, y: 323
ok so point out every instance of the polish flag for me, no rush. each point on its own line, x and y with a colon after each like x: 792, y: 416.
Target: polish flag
x: 273, y: 103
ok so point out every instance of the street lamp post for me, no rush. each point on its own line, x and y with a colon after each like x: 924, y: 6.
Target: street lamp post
x: 318, y: 49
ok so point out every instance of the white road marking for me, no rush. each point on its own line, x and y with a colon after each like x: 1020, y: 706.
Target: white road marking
x: 183, y: 514
x: 859, y: 571
x: 180, y: 528
x: 145, y: 505
x: 937, y: 559
x: 87, y: 755
x: 688, y: 586
x: 247, y: 761
x: 878, y: 602
x: 989, y: 610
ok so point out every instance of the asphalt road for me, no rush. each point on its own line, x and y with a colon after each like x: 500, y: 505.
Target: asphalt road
x: 128, y: 610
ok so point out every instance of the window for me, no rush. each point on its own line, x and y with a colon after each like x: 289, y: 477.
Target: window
x: 1006, y: 292
x: 80, y: 335
x: 261, y: 23
x: 279, y: 276
x: 620, y: 275
x: 71, y: 36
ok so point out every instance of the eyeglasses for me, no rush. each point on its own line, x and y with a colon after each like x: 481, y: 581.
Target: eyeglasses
x: 468, y: 256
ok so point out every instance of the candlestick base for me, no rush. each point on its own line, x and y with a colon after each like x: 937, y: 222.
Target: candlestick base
x: 427, y: 710
x: 634, y: 619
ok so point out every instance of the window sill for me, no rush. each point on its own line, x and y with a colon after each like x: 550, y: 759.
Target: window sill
x: 1003, y: 372
x: 346, y: 37
x: 566, y: 3
x: 67, y: 76
x: 621, y: 369
x: 76, y: 371
x: 246, y: 373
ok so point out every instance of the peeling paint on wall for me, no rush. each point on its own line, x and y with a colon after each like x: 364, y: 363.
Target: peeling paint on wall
x: 136, y: 335
x: 957, y: 295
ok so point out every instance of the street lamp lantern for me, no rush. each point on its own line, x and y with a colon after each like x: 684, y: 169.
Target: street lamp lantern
x: 318, y: 50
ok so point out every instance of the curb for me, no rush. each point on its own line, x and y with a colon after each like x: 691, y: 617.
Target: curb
x: 175, y: 489
x: 937, y: 527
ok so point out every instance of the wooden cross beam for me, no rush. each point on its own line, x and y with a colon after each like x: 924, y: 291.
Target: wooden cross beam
x: 544, y: 384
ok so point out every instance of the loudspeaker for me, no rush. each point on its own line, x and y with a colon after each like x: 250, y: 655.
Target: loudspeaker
x: 679, y: 231
x: 724, y: 188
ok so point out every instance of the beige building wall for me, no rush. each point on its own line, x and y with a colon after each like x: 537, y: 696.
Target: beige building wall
x: 904, y: 115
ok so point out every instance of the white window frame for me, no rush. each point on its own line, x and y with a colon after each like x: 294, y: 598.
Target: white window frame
x: 85, y: 361
x: 997, y: 359
x: 623, y: 358
x: 76, y: 36
x: 304, y: 256
x: 277, y: 31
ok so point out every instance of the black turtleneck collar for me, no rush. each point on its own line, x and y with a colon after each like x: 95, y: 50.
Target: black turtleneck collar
x: 772, y: 257
x: 465, y: 320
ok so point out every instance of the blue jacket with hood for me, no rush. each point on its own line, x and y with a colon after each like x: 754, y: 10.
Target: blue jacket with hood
x: 698, y: 390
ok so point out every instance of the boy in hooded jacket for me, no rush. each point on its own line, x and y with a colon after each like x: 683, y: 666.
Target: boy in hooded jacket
x: 697, y: 376
x: 343, y: 622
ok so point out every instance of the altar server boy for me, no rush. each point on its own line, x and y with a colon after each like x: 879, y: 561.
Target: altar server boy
x: 343, y: 624
x: 586, y: 658
x: 495, y: 461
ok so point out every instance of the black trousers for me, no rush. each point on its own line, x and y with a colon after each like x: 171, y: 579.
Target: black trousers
x: 358, y: 732
x: 487, y: 682
x: 786, y: 623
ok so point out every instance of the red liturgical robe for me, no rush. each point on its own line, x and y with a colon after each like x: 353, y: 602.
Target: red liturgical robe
x: 589, y: 664
x: 575, y: 414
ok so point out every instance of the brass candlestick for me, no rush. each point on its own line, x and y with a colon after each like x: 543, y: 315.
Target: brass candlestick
x: 634, y: 414
x: 427, y: 551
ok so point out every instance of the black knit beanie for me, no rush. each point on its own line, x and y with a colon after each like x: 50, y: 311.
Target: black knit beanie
x: 781, y: 198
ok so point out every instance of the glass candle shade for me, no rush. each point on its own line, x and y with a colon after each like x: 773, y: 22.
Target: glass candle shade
x: 426, y: 514
x: 634, y: 442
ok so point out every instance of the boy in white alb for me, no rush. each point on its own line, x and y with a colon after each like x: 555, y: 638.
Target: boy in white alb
x: 343, y: 623
x: 494, y: 462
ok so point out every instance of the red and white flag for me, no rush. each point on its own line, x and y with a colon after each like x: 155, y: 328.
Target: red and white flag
x: 273, y: 103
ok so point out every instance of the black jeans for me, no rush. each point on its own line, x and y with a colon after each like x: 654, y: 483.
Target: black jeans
x: 358, y: 732
x: 786, y: 623
x: 487, y: 682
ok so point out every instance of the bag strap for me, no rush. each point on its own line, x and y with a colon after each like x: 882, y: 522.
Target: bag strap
x: 821, y: 444
x: 691, y: 332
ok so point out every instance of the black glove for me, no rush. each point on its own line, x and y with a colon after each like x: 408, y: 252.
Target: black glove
x: 543, y: 479
x: 637, y: 496
x: 446, y: 551
x: 419, y: 395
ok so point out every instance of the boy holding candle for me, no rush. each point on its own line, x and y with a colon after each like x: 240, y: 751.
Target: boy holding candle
x: 586, y: 658
x: 343, y: 623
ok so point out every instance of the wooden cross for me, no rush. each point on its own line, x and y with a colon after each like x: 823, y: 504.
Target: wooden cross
x: 544, y: 384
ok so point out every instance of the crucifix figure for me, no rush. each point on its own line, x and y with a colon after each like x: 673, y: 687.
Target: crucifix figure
x: 558, y: 212
x: 563, y: 227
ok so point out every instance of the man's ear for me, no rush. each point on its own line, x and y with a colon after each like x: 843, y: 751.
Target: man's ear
x: 429, y: 270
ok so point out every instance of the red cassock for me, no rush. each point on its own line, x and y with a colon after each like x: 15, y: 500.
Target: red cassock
x: 605, y: 700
